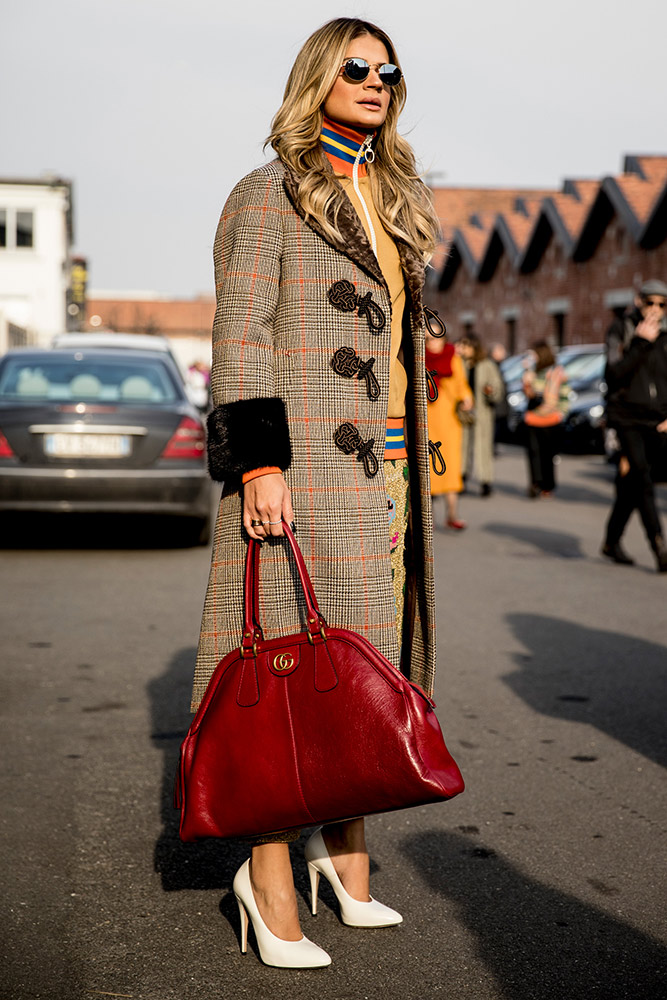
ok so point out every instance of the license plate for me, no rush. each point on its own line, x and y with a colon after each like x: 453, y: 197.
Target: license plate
x: 87, y: 445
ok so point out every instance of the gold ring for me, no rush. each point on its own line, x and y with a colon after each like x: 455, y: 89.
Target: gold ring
x: 256, y: 524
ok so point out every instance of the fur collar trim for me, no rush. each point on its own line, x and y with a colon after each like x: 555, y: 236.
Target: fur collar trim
x: 355, y: 244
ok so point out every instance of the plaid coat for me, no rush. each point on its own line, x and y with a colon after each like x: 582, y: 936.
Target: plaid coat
x: 280, y: 399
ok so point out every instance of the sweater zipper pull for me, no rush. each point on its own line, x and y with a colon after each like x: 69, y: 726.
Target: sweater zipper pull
x: 369, y: 155
x: 367, y: 150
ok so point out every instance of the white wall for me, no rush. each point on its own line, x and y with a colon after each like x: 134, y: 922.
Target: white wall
x: 12, y: 335
x: 34, y: 280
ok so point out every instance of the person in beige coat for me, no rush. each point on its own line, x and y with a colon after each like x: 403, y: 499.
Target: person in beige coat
x: 320, y: 414
x: 487, y: 386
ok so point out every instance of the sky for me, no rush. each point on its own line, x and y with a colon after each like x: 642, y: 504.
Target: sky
x: 156, y: 108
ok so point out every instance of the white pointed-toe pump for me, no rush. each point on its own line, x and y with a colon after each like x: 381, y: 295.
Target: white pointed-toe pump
x: 353, y: 912
x: 303, y: 954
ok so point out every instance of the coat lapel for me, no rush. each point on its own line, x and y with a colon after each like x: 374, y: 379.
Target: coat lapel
x: 413, y: 271
x: 354, y: 244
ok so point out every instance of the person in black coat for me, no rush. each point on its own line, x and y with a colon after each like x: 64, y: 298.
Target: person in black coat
x: 636, y: 376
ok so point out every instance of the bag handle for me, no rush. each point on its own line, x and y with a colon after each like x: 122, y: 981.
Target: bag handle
x: 252, y: 630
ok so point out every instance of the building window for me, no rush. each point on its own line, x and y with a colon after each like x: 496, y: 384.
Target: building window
x: 511, y: 335
x: 3, y: 227
x: 24, y: 229
x: 559, y: 328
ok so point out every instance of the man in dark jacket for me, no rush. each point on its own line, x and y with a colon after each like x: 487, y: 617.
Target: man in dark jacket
x: 636, y: 377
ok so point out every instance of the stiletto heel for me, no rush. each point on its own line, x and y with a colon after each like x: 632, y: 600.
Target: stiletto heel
x: 352, y: 911
x: 302, y: 954
x: 314, y: 887
x: 244, y: 925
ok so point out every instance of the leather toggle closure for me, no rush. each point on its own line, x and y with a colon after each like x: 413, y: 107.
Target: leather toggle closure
x: 343, y: 296
x: 432, y: 391
x: 349, y: 440
x: 347, y: 363
x: 437, y: 460
x: 434, y: 324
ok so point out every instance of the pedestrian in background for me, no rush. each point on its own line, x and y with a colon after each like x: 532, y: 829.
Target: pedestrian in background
x: 319, y: 260
x: 487, y: 389
x: 498, y: 353
x: 547, y: 395
x: 636, y: 377
x: 454, y: 401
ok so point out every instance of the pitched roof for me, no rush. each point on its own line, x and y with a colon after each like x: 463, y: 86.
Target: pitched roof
x: 525, y: 219
x: 637, y: 196
x: 456, y: 207
x: 152, y: 315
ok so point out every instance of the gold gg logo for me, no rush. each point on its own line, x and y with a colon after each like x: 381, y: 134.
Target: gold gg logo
x: 284, y: 661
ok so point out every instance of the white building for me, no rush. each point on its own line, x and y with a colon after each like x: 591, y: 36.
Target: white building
x: 35, y: 240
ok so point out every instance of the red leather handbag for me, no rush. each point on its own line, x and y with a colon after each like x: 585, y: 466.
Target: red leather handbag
x: 304, y: 729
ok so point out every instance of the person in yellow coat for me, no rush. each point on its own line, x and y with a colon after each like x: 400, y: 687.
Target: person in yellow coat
x: 448, y: 378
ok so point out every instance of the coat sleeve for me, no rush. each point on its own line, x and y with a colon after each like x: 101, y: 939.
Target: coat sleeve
x: 491, y: 376
x: 248, y: 425
x: 618, y: 373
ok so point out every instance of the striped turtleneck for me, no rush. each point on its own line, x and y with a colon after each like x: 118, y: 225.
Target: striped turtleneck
x: 342, y: 144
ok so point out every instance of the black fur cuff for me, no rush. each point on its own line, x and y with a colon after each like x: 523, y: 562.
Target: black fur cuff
x: 247, y: 435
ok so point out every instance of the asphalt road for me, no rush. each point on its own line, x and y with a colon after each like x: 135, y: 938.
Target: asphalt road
x: 545, y: 879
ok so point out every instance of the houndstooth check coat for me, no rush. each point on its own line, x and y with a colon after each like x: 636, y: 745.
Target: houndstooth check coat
x: 279, y: 402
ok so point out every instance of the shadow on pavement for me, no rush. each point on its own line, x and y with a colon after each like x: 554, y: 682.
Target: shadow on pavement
x: 35, y: 530
x: 615, y: 682
x: 564, y: 491
x: 591, y: 474
x: 554, y: 543
x: 538, y: 943
x: 210, y: 864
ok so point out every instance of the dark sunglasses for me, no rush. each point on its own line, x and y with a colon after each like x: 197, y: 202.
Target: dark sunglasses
x: 357, y: 70
x: 660, y: 303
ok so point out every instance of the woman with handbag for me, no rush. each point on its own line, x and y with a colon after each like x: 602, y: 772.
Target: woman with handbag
x: 318, y: 382
x: 451, y: 404
x: 547, y: 395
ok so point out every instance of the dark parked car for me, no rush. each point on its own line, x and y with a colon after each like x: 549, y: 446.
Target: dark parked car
x: 584, y: 425
x: 101, y: 430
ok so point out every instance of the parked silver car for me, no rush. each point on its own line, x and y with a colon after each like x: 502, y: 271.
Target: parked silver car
x: 101, y: 430
x: 198, y: 395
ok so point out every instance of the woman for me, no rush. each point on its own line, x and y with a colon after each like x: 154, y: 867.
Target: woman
x: 547, y: 395
x: 453, y: 392
x: 318, y: 379
x: 487, y: 388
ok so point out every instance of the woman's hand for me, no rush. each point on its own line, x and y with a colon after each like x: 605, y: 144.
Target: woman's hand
x: 266, y: 499
x: 466, y: 403
x: 649, y: 328
x: 528, y: 384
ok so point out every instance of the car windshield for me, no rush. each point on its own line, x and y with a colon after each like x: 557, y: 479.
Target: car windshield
x: 584, y: 367
x: 513, y: 367
x: 82, y: 379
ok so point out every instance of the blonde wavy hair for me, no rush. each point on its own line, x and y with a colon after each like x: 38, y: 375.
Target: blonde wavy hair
x: 403, y: 202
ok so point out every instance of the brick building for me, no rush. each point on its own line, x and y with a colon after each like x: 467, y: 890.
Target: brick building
x: 522, y: 264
